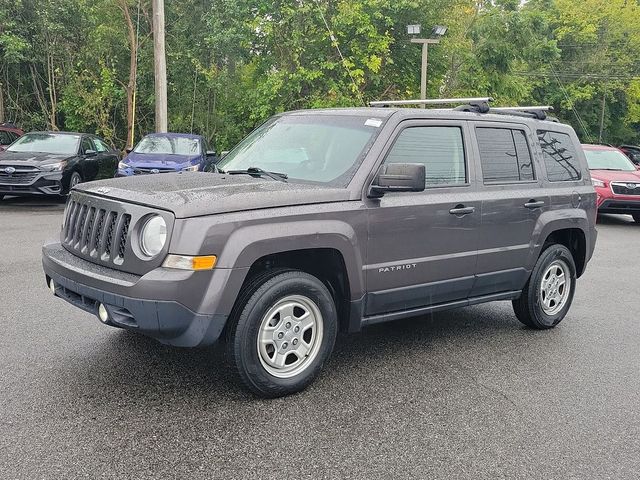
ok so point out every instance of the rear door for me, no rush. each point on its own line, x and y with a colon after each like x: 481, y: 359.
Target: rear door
x: 512, y: 201
x: 422, y: 246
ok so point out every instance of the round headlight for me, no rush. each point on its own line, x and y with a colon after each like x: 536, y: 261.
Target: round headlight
x: 153, y: 236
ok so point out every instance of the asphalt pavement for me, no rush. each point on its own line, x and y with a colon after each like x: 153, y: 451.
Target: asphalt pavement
x: 464, y: 394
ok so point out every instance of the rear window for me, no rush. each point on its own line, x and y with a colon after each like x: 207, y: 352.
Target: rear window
x: 505, y: 156
x: 560, y: 156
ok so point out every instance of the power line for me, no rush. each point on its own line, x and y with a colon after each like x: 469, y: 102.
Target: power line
x: 334, y: 40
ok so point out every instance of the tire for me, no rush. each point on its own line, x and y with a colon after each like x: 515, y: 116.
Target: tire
x: 544, y: 307
x: 283, y: 308
x: 636, y: 217
x: 74, y: 180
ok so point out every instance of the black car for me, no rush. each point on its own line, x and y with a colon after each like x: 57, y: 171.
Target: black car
x: 631, y: 151
x: 51, y: 163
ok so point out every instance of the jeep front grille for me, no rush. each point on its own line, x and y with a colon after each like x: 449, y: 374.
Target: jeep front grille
x: 94, y: 232
x: 104, y: 231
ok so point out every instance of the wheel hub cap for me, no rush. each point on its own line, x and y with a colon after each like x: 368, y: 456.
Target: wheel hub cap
x: 290, y: 335
x: 555, y: 287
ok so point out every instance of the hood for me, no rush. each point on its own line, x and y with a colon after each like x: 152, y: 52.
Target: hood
x: 160, y: 160
x: 30, y: 159
x: 616, y: 175
x: 192, y: 194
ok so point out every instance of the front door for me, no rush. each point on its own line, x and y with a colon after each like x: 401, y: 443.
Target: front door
x: 422, y: 246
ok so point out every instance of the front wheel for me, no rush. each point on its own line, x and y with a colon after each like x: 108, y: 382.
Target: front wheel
x: 548, y: 294
x: 636, y: 217
x: 283, y: 330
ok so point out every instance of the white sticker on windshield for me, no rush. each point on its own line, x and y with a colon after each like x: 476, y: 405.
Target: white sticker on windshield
x: 373, y: 122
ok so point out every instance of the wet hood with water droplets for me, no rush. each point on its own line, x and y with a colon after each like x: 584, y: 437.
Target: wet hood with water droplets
x: 191, y: 194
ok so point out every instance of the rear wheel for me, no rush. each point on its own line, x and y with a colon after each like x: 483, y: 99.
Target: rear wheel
x: 283, y: 330
x: 548, y: 294
x: 636, y: 217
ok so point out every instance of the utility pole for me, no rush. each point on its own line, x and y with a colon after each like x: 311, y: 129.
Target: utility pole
x: 160, y: 64
x: 425, y: 58
x: 604, y: 104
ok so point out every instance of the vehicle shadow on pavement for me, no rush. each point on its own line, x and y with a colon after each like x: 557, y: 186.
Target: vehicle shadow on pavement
x: 33, y: 202
x: 125, y: 365
x: 606, y: 219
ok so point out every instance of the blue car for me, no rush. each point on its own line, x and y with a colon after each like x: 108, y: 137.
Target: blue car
x: 166, y: 152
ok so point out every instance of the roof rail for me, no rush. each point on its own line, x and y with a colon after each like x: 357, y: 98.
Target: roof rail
x: 537, y: 112
x: 438, y: 101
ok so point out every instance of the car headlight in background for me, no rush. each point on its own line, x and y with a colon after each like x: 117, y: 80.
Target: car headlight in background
x: 122, y: 166
x: 54, y: 167
x: 193, y: 168
x: 598, y: 183
x: 153, y: 236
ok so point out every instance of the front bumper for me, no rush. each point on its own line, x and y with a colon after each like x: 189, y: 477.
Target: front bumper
x: 623, y: 207
x: 45, y: 183
x: 86, y: 286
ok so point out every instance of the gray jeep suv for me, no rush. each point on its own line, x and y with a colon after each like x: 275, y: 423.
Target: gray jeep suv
x: 332, y: 220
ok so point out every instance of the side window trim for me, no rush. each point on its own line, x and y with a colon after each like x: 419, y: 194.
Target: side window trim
x: 416, y: 123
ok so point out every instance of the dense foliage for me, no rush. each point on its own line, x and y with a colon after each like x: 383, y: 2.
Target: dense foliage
x: 84, y: 64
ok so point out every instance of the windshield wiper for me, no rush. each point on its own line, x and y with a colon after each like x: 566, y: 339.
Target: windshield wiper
x: 281, y: 177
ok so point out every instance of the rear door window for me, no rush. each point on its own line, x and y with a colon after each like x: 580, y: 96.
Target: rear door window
x: 504, y: 155
x: 560, y: 157
x: 100, y: 146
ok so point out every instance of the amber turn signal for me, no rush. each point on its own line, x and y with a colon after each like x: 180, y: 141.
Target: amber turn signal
x: 185, y: 262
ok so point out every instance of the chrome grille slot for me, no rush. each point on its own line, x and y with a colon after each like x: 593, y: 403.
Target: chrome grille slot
x: 122, y: 237
x: 97, y: 232
x: 108, y: 242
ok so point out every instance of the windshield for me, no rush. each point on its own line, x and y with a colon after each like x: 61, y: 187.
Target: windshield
x: 59, y: 144
x: 168, y: 145
x: 313, y: 148
x: 608, y: 160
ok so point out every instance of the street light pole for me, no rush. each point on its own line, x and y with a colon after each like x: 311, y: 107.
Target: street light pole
x: 425, y: 58
x: 160, y: 64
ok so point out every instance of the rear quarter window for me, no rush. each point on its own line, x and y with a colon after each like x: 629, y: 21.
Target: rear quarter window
x: 560, y: 156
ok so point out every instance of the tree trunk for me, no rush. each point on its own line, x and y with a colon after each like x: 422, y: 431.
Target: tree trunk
x: 38, y: 91
x: 53, y: 100
x: 1, y: 103
x: 130, y: 87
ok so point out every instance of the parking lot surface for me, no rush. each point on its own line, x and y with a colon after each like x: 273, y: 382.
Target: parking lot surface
x: 464, y: 394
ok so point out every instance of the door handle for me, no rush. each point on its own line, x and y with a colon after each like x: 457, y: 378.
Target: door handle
x: 533, y: 204
x: 461, y: 210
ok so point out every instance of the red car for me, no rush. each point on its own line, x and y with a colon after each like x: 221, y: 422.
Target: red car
x: 616, y: 180
x: 8, y: 133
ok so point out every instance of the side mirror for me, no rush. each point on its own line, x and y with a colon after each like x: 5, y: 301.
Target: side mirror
x: 128, y: 150
x: 90, y: 153
x: 211, y: 153
x: 398, y: 177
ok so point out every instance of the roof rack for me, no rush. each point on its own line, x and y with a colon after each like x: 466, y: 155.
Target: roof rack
x: 475, y: 105
x: 538, y: 112
x: 439, y: 101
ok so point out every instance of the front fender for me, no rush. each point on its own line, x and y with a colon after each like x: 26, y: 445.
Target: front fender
x: 248, y: 244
